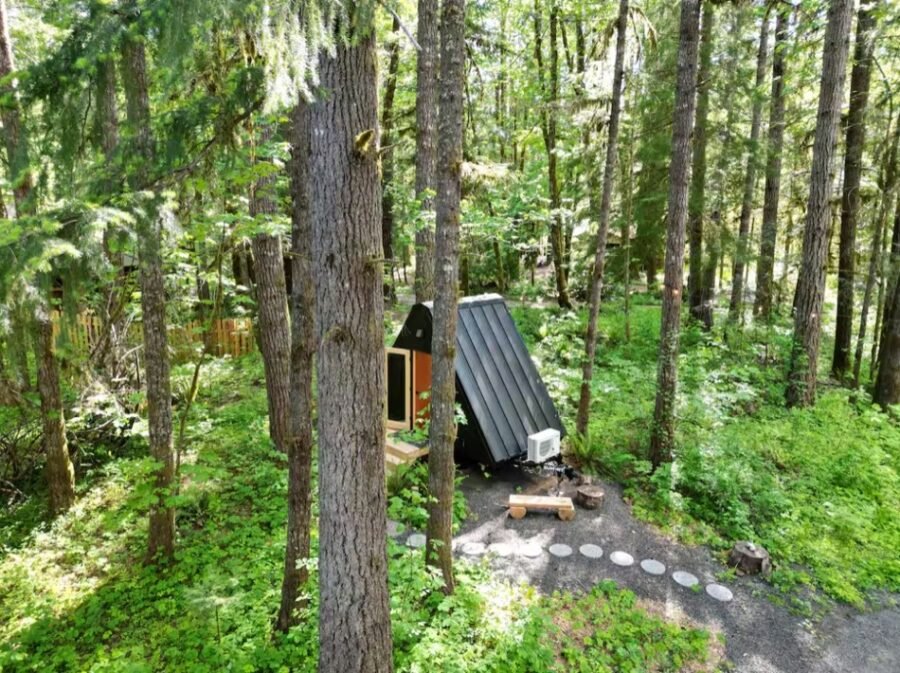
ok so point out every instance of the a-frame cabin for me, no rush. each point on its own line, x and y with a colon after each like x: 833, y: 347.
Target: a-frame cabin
x: 497, y: 384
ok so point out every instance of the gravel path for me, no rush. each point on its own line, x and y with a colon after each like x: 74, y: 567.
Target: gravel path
x: 761, y: 637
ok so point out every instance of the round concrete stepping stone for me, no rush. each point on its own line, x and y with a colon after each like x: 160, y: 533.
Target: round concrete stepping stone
x: 560, y: 550
x: 394, y: 528
x: 474, y: 548
x: 685, y: 579
x: 652, y: 566
x: 590, y: 550
x: 530, y: 550
x: 719, y: 592
x: 500, y: 548
x: 416, y: 540
x: 621, y: 558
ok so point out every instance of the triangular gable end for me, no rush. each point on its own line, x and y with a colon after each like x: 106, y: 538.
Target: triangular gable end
x: 498, y: 385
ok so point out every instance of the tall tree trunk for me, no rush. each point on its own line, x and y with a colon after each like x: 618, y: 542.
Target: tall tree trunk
x: 18, y: 346
x: 549, y: 101
x: 387, y: 157
x: 801, y: 389
x: 887, y: 383
x: 271, y: 302
x: 888, y: 184
x: 16, y: 146
x: 628, y: 217
x: 17, y: 158
x: 609, y: 170
x: 153, y: 302
x: 303, y: 345
x: 874, y: 263
x: 699, y: 304
x: 426, y: 144
x: 60, y: 473
x: 850, y: 198
x: 887, y: 281
x: 765, y: 264
x: 441, y: 468
x: 662, y: 440
x: 736, y: 305
x: 345, y: 206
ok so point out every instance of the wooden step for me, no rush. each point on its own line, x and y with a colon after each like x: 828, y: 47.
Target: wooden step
x: 405, y: 450
x: 520, y: 504
x: 391, y: 462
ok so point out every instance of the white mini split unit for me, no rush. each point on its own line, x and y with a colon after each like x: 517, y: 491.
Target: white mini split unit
x: 543, y: 445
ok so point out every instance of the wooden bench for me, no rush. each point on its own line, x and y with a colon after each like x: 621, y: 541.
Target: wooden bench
x: 520, y: 504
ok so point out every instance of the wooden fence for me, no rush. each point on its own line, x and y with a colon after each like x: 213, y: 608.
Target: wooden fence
x: 226, y: 336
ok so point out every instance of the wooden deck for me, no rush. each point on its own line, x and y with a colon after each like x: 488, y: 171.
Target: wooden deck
x: 397, y: 452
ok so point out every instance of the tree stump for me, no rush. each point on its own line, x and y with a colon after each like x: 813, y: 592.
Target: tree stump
x: 749, y: 559
x: 589, y: 496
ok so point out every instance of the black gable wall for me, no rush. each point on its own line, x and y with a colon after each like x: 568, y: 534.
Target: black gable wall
x: 498, y: 385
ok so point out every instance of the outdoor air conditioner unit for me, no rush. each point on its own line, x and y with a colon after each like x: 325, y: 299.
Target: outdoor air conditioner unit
x: 543, y: 445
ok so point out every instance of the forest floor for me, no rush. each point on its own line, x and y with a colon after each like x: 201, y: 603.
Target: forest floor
x: 819, y: 488
x: 761, y: 636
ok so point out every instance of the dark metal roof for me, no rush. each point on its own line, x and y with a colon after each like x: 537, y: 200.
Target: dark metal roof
x: 499, y: 386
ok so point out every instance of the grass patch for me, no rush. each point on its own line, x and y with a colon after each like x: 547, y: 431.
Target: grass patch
x: 78, y: 598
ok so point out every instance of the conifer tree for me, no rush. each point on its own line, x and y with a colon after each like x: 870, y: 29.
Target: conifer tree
x: 662, y: 439
x: 810, y: 292
x: 441, y: 468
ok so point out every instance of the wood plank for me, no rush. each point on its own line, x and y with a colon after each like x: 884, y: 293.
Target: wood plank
x: 544, y: 502
x: 404, y: 449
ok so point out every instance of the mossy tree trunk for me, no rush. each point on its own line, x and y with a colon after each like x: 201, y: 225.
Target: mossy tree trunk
x: 810, y: 294
x: 271, y: 301
x: 765, y: 264
x: 161, y: 540
x: 662, y: 440
x: 698, y: 303
x: 426, y: 144
x: 736, y: 305
x: 59, y: 469
x: 609, y: 170
x: 850, y: 196
x: 303, y: 345
x: 441, y: 468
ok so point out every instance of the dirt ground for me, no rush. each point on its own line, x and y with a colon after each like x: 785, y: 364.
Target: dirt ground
x: 761, y: 637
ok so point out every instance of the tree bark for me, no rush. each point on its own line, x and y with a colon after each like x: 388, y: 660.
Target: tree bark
x: 549, y: 100
x: 736, y: 306
x: 303, y: 344
x: 889, y: 279
x: 426, y: 144
x: 271, y: 303
x: 850, y: 198
x: 17, y: 154
x: 765, y: 264
x: 161, y: 540
x: 627, y: 218
x: 801, y: 389
x: 887, y: 383
x: 387, y: 156
x: 609, y: 170
x: 441, y: 468
x: 345, y: 207
x: 60, y: 473
x: 700, y: 305
x: 662, y: 440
